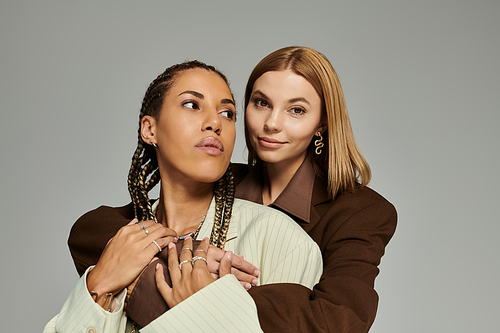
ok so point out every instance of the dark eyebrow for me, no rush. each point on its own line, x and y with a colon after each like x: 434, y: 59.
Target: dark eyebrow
x: 227, y: 101
x: 299, y: 99
x: 200, y: 96
x: 260, y: 93
x: 292, y: 100
x: 194, y: 93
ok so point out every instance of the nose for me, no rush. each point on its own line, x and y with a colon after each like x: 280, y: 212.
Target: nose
x: 274, y: 122
x: 212, y: 122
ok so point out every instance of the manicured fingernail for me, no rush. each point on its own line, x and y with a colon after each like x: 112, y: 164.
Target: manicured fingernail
x: 256, y: 272
x: 205, y: 238
x: 176, y: 238
x: 255, y: 282
x: 171, y: 245
x: 230, y: 255
x: 248, y: 286
x: 135, y: 220
x: 157, y: 266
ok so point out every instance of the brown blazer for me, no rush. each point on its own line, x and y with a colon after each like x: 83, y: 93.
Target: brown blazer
x: 352, y: 232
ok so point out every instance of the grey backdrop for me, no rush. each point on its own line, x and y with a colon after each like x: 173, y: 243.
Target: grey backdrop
x: 421, y: 79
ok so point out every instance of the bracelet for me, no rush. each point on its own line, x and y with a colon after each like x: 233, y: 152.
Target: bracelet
x: 107, y: 300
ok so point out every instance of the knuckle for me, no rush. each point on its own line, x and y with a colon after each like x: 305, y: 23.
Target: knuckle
x: 198, y: 274
x: 171, y: 265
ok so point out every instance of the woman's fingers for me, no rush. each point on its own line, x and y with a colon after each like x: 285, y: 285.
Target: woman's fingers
x: 200, y: 255
x: 173, y: 264
x: 247, y: 280
x: 225, y: 264
x: 244, y: 266
x: 214, y: 256
x: 244, y: 271
x: 162, y: 285
x: 134, y: 221
x: 186, y: 256
x: 154, y: 236
x: 126, y: 255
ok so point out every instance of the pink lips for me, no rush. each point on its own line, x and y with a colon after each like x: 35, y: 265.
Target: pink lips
x: 270, y: 143
x: 211, y: 146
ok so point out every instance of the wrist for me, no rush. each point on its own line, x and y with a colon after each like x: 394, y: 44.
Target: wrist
x: 97, y: 287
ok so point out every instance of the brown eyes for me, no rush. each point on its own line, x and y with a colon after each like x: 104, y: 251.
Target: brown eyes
x: 297, y: 111
x: 261, y: 103
x: 191, y: 105
x: 229, y: 114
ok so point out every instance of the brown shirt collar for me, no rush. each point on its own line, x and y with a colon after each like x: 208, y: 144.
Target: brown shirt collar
x: 297, y: 197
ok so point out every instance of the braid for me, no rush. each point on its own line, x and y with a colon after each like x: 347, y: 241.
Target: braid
x: 224, y: 199
x: 144, y: 162
x: 132, y: 177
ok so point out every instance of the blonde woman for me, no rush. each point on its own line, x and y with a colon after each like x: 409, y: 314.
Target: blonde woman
x: 303, y: 160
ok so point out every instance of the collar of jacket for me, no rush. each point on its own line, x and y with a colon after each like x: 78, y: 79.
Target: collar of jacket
x: 303, y: 192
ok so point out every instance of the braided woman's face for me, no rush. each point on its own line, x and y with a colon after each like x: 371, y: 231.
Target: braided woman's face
x: 195, y: 132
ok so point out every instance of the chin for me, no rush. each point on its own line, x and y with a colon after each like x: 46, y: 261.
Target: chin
x: 210, y: 173
x: 269, y: 157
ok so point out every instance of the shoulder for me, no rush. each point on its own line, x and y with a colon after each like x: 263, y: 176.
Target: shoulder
x: 105, y: 217
x: 362, y: 210
x: 92, y: 231
x: 351, y: 202
x: 362, y: 198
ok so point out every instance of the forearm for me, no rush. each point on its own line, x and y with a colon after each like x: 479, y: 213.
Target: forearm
x: 288, y: 307
x: 80, y: 312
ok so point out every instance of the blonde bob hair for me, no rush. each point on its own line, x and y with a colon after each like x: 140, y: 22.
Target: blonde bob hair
x: 341, y: 161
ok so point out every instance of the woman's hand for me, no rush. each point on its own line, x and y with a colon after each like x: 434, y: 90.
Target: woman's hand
x: 126, y: 255
x: 188, y: 277
x: 244, y: 271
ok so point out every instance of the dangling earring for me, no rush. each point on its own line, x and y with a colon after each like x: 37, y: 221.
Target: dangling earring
x: 319, y: 144
x: 154, y: 144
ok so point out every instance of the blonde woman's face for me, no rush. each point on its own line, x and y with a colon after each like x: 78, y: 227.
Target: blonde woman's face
x: 195, y: 132
x: 282, y: 116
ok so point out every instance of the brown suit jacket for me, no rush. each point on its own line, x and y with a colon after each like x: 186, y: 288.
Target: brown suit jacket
x: 352, y: 231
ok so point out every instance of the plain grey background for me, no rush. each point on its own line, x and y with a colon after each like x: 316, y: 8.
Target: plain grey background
x: 421, y: 80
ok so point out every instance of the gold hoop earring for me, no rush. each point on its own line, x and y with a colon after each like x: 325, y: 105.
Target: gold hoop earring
x: 319, y: 144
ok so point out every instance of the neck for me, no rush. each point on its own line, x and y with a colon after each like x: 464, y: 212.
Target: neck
x: 276, y: 178
x: 182, y: 208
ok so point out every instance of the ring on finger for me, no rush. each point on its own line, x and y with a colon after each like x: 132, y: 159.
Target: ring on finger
x: 201, y: 251
x: 159, y: 248
x: 186, y: 248
x: 182, y: 263
x: 199, y: 258
x: 143, y: 227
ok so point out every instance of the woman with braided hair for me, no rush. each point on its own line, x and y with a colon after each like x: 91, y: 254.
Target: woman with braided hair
x: 303, y: 160
x: 186, y: 138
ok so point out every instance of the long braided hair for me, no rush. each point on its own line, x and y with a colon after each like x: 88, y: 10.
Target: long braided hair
x: 144, y: 173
